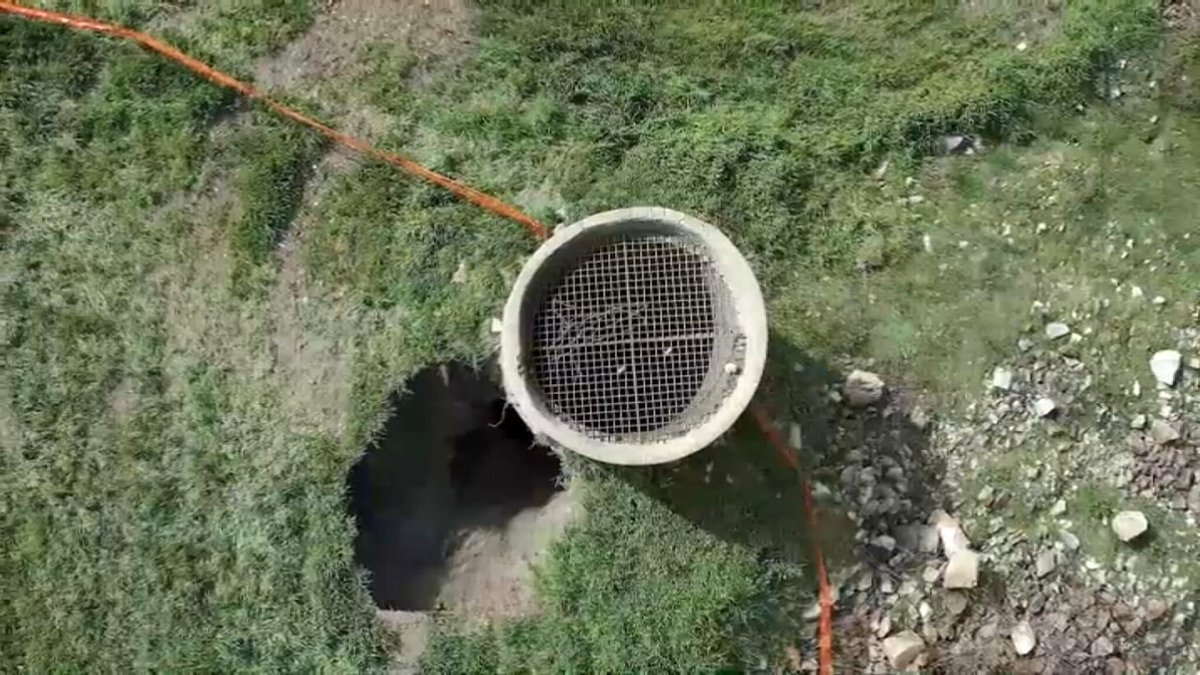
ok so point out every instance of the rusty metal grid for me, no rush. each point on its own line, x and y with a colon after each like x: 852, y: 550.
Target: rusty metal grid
x: 623, y: 342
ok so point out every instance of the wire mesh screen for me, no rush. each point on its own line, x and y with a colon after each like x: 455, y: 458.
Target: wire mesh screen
x: 622, y: 344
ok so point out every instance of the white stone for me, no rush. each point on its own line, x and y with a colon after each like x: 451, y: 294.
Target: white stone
x: 1163, y: 433
x: 1165, y: 365
x: 884, y: 542
x: 962, y: 571
x: 1002, y: 378
x: 1023, y: 638
x: 1022, y: 46
x: 931, y: 574
x: 1046, y: 562
x: 864, y: 582
x: 1138, y: 422
x: 1129, y: 525
x: 497, y: 325
x: 956, y: 603
x: 951, y: 534
x: 1057, y: 329
x: 925, y: 610
x: 863, y: 389
x: 460, y: 274
x: 1044, y: 406
x: 1059, y: 508
x: 1069, y: 540
x: 902, y: 649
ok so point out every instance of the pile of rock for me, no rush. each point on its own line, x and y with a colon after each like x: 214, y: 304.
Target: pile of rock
x: 1062, y: 611
x: 1166, y: 466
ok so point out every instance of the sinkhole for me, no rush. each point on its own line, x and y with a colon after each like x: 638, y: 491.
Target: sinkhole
x: 451, y: 460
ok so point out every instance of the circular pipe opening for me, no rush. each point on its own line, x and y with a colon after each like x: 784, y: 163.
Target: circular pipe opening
x: 634, y: 336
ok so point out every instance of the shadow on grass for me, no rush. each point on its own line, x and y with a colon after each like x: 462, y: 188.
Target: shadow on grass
x: 741, y: 491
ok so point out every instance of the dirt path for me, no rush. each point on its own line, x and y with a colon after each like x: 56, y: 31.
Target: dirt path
x: 311, y: 335
x: 434, y: 31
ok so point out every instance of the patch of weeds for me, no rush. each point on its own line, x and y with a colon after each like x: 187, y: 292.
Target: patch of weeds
x: 1015, y: 495
x: 1097, y: 503
x: 758, y: 119
x: 385, y: 77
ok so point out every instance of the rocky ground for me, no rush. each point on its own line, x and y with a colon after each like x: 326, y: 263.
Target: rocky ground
x: 1046, y: 528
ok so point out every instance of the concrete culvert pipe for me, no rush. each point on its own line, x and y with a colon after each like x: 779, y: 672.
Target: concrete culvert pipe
x: 635, y: 336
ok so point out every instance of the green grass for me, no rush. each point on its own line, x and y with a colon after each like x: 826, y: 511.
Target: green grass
x: 170, y: 510
x: 273, y: 161
x: 947, y: 316
x: 153, y: 520
x: 633, y: 589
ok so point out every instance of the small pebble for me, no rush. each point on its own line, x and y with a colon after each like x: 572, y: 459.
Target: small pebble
x: 1057, y: 329
x: 1023, y: 638
x: 1044, y: 407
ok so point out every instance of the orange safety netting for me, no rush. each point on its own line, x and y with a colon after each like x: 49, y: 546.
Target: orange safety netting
x: 480, y: 199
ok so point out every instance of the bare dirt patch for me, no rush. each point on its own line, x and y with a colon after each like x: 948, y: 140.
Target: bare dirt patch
x: 312, y: 328
x: 307, y: 356
x: 311, y: 344
x: 208, y: 267
x: 122, y: 400
x: 435, y: 30
x: 489, y: 570
x: 407, y: 636
x: 1182, y: 15
x: 9, y: 433
x: 1037, y: 23
x: 202, y: 322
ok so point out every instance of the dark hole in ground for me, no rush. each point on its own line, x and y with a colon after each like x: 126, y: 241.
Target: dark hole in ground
x: 452, y: 458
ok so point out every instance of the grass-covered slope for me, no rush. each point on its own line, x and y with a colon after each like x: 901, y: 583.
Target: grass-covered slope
x: 168, y: 500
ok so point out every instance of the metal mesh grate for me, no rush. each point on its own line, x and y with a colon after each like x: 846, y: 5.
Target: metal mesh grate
x: 623, y: 342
